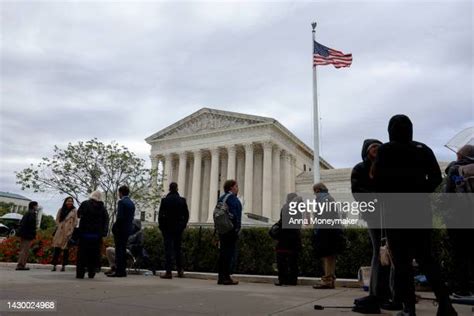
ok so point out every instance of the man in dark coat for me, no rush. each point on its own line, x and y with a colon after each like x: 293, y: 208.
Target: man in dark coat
x: 289, y: 245
x: 459, y: 213
x: 93, y: 226
x: 228, y: 241
x: 27, y: 232
x: 410, y: 170
x: 363, y: 190
x: 173, y: 217
x: 122, y: 229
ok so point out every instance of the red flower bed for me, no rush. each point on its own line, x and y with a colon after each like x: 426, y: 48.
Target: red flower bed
x: 41, y: 250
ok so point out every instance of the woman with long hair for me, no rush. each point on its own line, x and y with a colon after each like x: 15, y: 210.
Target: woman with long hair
x: 66, y: 221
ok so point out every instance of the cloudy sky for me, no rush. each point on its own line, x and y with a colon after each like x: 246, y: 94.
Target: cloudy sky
x: 122, y: 71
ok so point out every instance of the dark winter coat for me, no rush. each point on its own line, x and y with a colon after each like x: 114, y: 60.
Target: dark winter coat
x: 289, y: 239
x: 362, y: 185
x: 328, y: 241
x: 360, y: 179
x: 27, y: 229
x: 173, y: 215
x: 124, y: 222
x: 93, y: 219
x: 406, y: 166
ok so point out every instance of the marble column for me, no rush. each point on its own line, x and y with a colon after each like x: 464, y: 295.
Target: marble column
x: 231, y: 158
x: 248, y: 178
x: 174, y: 170
x: 167, y: 172
x: 293, y: 173
x: 276, y: 196
x: 182, y: 173
x: 267, y: 180
x: 214, y: 182
x: 154, y: 173
x: 287, y: 174
x: 205, y: 188
x: 196, y: 187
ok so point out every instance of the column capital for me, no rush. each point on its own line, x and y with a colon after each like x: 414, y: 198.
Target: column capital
x: 197, y: 152
x: 248, y: 146
x: 231, y: 148
x: 168, y: 156
x: 214, y: 150
x: 286, y: 154
x: 183, y: 154
x: 277, y: 150
x: 267, y: 145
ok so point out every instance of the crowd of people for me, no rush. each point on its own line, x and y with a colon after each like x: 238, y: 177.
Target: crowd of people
x: 401, y: 165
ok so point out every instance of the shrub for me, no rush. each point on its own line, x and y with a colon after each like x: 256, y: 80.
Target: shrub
x: 41, y: 250
x: 255, y: 254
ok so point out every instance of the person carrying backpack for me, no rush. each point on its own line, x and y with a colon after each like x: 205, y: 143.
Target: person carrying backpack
x: 460, y: 180
x: 228, y: 221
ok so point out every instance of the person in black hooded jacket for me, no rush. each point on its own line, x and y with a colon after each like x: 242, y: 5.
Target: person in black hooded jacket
x: 363, y: 189
x: 405, y: 167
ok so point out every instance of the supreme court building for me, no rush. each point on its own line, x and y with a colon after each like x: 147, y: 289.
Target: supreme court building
x: 204, y: 149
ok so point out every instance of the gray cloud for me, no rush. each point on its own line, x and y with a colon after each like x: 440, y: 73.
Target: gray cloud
x: 122, y: 71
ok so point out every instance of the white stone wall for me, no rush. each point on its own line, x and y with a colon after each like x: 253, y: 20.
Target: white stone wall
x: 19, y: 205
x: 176, y: 141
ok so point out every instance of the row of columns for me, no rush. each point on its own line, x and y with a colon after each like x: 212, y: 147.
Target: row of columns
x: 272, y: 175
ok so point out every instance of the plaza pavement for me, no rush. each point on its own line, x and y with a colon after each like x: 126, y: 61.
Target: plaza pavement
x: 150, y: 295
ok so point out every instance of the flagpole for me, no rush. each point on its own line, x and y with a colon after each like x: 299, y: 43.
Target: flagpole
x: 316, y: 171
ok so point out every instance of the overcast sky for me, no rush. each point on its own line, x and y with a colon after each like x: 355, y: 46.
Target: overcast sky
x: 122, y: 71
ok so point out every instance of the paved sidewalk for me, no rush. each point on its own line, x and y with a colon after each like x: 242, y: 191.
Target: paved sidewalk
x: 150, y: 295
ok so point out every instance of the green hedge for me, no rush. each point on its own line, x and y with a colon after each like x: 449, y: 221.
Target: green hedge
x: 256, y: 252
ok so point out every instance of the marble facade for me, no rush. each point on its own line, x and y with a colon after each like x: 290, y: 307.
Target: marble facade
x: 206, y: 148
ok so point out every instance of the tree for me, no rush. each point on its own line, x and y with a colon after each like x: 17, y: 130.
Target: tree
x: 5, y: 208
x: 47, y: 222
x: 88, y: 166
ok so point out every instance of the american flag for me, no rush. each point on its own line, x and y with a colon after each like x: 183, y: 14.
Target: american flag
x: 323, y: 55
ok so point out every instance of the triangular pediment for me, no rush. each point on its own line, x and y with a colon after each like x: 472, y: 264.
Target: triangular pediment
x: 206, y: 121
